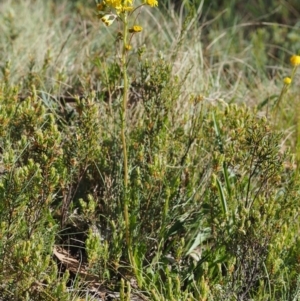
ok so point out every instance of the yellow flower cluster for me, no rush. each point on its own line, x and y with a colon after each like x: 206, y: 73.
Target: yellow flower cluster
x: 123, y: 5
x: 119, y: 5
x: 107, y: 16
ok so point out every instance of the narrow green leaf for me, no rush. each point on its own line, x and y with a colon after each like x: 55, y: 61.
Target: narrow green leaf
x: 223, y: 198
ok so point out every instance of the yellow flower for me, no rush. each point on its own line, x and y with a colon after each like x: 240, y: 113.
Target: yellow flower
x: 119, y: 5
x: 108, y: 19
x: 151, y: 2
x: 295, y: 60
x: 128, y: 47
x: 135, y: 28
x: 287, y: 80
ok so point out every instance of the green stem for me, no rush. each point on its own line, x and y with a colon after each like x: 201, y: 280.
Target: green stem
x: 123, y: 132
x: 126, y: 41
x: 125, y: 100
x: 284, y: 90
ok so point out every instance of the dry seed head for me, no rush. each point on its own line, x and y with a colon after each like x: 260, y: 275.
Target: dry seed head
x: 101, y: 6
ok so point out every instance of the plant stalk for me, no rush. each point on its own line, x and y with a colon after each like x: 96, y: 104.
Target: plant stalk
x: 123, y: 132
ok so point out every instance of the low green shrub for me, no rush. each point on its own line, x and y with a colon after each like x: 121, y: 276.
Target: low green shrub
x: 208, y: 210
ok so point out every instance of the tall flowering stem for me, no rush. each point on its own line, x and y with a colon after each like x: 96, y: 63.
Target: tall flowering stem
x: 108, y: 12
x: 295, y: 62
x: 287, y: 81
x: 123, y: 126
